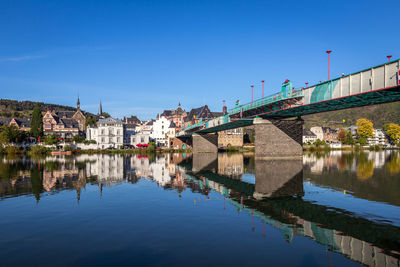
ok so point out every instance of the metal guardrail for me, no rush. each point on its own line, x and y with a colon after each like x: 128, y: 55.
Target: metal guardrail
x: 225, y: 118
x: 265, y: 101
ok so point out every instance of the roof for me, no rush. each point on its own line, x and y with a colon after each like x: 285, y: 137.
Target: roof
x: 132, y: 120
x: 23, y: 122
x: 217, y: 114
x: 201, y: 112
x: 4, y: 121
x: 109, y: 120
x: 172, y: 125
x: 70, y: 123
x: 307, y: 132
x: 65, y: 114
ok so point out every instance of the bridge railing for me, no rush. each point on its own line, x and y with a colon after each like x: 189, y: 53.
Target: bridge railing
x: 265, y: 101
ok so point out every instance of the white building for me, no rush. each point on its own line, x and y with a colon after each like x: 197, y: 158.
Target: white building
x: 160, y: 130
x: 317, y: 130
x: 378, y: 139
x: 108, y: 133
x: 140, y: 138
x: 309, y: 137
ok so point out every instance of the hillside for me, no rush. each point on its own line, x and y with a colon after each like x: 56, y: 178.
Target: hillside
x: 21, y: 109
x: 378, y: 114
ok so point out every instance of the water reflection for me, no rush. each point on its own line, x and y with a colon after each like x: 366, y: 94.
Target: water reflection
x: 286, y: 194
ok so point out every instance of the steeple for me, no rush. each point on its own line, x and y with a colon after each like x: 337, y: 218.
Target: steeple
x: 100, y: 109
x: 78, y: 104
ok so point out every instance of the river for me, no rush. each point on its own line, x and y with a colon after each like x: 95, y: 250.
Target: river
x: 330, y: 209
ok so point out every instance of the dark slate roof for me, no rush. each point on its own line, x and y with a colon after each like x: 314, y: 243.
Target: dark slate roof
x: 4, y: 121
x: 307, y: 132
x: 65, y: 114
x: 70, y: 123
x: 133, y: 120
x: 201, y: 112
x: 23, y: 122
x: 172, y: 125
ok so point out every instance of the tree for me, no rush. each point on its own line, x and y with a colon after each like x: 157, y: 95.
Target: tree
x: 91, y: 120
x: 365, y: 128
x: 51, y: 140
x: 349, y: 138
x: 11, y: 134
x: 78, y: 139
x: 106, y: 115
x: 37, y: 122
x: 342, y: 136
x: 393, y: 131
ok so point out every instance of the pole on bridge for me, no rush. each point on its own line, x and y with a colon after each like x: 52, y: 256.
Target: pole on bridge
x: 252, y: 89
x: 389, y: 57
x: 262, y: 88
x: 306, y: 85
x: 328, y: 52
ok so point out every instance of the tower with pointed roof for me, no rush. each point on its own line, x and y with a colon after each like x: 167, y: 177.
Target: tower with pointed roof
x: 100, y: 110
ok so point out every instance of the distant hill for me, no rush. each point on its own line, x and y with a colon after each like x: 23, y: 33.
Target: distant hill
x: 378, y: 114
x: 23, y: 109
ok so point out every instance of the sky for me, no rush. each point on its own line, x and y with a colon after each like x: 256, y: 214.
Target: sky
x: 141, y: 57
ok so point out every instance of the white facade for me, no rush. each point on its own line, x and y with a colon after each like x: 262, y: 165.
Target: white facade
x: 378, y: 139
x: 108, y: 133
x: 317, y: 130
x: 160, y: 131
x: 140, y: 138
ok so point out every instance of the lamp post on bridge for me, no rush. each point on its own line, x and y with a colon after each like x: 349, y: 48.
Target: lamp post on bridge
x: 252, y: 89
x: 306, y: 84
x: 389, y: 56
x: 328, y: 52
x: 262, y: 88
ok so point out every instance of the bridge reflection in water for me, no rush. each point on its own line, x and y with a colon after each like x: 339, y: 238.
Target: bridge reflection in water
x: 276, y: 199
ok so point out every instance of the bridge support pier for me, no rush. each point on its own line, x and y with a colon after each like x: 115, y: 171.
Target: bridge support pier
x: 205, y: 143
x: 278, y: 138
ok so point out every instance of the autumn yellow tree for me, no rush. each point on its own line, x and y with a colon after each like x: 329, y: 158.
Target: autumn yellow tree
x: 393, y: 131
x: 365, y: 128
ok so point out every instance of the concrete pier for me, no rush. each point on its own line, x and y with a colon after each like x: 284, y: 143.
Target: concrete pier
x: 278, y: 138
x: 205, y: 143
x: 278, y: 178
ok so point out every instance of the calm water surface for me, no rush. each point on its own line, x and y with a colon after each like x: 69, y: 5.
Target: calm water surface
x: 337, y: 209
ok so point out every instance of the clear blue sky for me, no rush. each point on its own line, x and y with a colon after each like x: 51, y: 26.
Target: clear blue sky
x: 140, y: 57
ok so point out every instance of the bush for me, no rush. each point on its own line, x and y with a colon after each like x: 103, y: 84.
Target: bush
x: 39, y: 150
x: 319, y: 142
x: 51, y: 140
x: 152, y: 146
x: 68, y: 148
x: 12, y: 150
x: 78, y: 139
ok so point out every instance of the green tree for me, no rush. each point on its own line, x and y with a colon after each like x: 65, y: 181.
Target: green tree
x: 91, y: 120
x: 319, y: 142
x: 11, y: 134
x: 365, y: 128
x: 51, y: 140
x: 106, y: 115
x: 78, y: 139
x: 349, y: 138
x: 37, y: 122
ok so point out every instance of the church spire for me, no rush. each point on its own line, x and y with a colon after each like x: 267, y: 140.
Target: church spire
x: 78, y: 104
x: 100, y: 110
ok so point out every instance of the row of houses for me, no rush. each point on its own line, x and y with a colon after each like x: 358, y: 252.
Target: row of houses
x: 330, y: 135
x: 115, y: 133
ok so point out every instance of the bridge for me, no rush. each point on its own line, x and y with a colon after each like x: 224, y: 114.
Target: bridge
x: 277, y: 118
